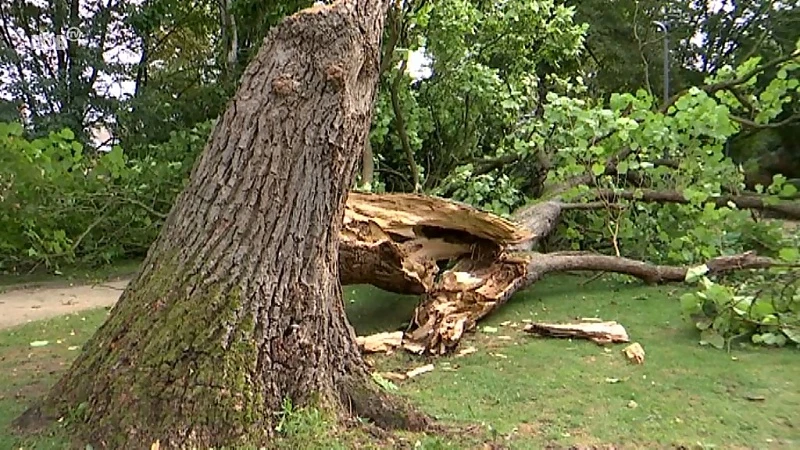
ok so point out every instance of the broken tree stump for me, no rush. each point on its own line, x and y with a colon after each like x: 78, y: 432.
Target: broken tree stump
x: 465, y: 263
x: 394, y: 241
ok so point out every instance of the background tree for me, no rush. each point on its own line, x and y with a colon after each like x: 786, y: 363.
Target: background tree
x: 52, y: 56
x: 625, y: 54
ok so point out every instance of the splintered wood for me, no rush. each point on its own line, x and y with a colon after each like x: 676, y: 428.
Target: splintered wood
x: 380, y: 342
x: 405, y: 214
x: 394, y: 241
x: 634, y: 353
x: 599, y: 332
x: 466, y: 263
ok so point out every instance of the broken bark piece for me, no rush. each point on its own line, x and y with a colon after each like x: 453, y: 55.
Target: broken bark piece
x: 380, y: 342
x: 419, y: 371
x: 634, y: 353
x: 393, y: 376
x: 599, y: 332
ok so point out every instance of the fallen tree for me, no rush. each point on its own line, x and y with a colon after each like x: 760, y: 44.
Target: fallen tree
x: 398, y: 242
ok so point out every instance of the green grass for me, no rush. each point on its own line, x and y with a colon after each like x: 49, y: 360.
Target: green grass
x: 526, y: 392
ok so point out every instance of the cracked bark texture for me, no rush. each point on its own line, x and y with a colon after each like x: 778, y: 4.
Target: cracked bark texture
x: 238, y: 303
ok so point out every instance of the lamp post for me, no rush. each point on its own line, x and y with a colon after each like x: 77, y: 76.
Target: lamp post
x: 664, y: 29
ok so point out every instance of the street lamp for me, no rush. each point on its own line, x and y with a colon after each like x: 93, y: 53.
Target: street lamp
x: 664, y: 29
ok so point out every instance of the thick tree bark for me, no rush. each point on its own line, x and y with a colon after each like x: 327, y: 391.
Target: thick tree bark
x: 238, y: 304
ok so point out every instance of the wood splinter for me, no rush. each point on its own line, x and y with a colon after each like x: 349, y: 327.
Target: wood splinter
x: 599, y: 332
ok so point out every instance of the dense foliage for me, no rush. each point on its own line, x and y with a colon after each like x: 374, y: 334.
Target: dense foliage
x: 764, y: 308
x: 59, y: 205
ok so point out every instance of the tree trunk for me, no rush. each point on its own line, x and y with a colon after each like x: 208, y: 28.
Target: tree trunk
x: 238, y: 304
x: 367, y: 164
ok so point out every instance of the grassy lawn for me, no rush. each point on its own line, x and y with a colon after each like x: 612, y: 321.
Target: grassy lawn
x: 525, y: 392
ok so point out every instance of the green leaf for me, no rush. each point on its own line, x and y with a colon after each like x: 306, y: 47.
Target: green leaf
x: 384, y: 383
x: 789, y: 254
x: 712, y: 338
x: 67, y: 134
x: 792, y: 333
x: 788, y: 190
x: 598, y: 169
x: 761, y: 309
x: 693, y: 273
x: 778, y: 340
x: 15, y: 129
x: 704, y: 324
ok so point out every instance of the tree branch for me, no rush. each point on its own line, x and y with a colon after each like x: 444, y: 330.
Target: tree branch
x: 400, y: 125
x: 714, y: 87
x: 751, y: 124
x: 541, y: 264
x: 787, y: 209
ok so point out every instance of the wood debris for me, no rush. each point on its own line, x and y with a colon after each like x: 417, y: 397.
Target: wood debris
x: 419, y: 371
x: 634, y: 353
x: 393, y: 376
x: 380, y: 342
x: 467, y: 351
x: 599, y: 332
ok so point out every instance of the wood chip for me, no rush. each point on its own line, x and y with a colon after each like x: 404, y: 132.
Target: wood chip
x: 380, y: 342
x: 467, y: 351
x: 393, y: 376
x: 419, y: 371
x: 600, y: 332
x: 634, y: 353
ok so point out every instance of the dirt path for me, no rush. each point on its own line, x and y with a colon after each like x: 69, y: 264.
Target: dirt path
x: 19, y: 306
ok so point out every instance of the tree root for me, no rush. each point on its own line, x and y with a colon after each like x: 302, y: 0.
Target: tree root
x: 389, y: 412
